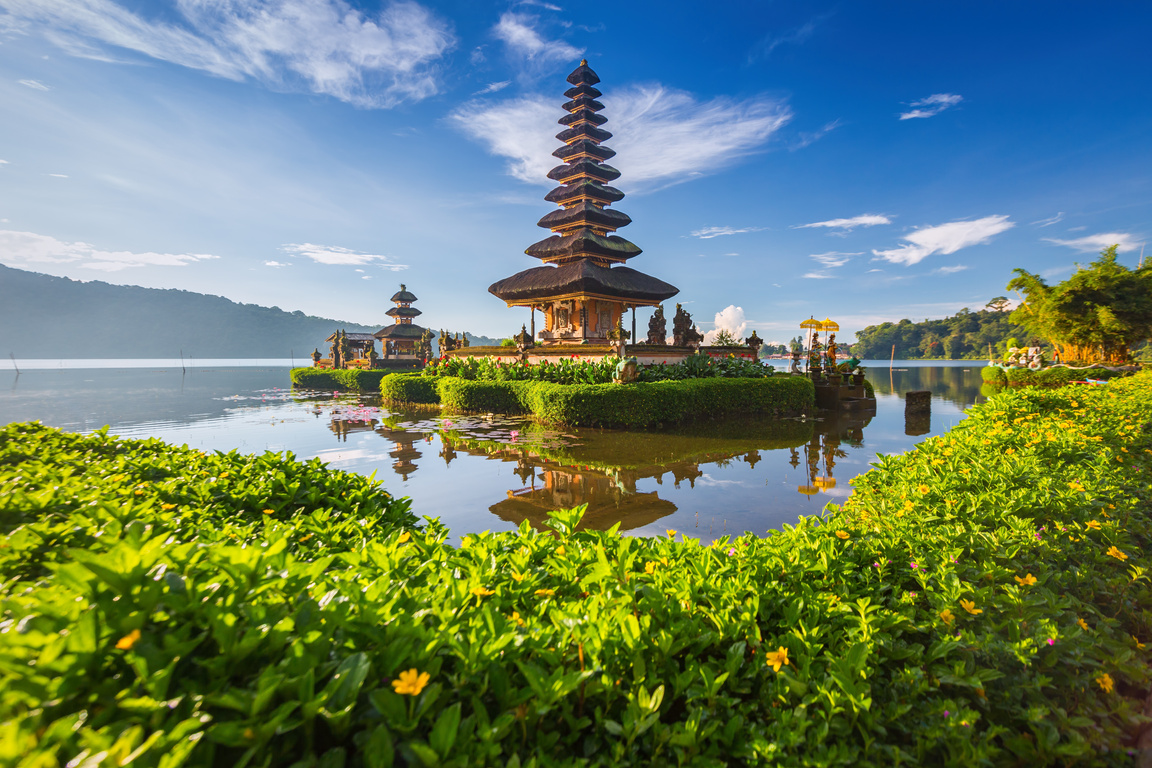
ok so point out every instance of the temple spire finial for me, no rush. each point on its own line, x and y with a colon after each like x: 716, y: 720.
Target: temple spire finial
x: 583, y: 62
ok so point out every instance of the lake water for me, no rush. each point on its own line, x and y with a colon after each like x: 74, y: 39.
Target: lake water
x: 491, y: 473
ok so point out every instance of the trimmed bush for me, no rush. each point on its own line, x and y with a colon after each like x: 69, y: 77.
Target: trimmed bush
x: 409, y: 388
x: 993, y: 375
x: 1055, y: 377
x: 464, y: 396
x: 981, y: 600
x: 338, y: 379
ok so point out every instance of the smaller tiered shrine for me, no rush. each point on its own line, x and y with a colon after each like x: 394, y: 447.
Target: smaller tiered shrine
x: 404, y: 338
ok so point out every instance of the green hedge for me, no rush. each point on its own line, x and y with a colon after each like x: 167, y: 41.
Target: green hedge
x: 409, y: 388
x: 982, y: 600
x: 340, y: 379
x: 1045, y: 377
x: 622, y: 406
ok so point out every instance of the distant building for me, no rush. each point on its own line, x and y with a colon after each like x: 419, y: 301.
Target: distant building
x: 403, y: 338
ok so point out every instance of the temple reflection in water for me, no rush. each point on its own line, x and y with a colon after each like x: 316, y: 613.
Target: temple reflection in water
x: 608, y: 470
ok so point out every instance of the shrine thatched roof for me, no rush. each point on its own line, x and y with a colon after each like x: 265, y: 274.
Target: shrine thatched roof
x: 354, y: 337
x: 400, y: 331
x: 582, y: 277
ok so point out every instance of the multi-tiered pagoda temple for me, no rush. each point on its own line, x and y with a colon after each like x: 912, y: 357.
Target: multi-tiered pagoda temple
x: 582, y: 294
x: 403, y: 337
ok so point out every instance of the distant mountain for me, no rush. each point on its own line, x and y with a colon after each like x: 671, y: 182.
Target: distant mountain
x: 42, y: 316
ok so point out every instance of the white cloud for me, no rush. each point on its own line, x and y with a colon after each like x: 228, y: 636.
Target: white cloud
x: 771, y: 42
x: 818, y: 275
x: 59, y: 175
x: 931, y: 106
x: 945, y: 239
x: 1049, y: 222
x: 1096, y: 243
x: 833, y: 259
x: 27, y: 250
x: 808, y: 137
x: 276, y: 264
x: 549, y: 6
x: 730, y: 319
x: 35, y: 84
x: 707, y: 233
x: 660, y: 134
x: 334, y: 254
x: 365, y: 277
x: 323, y: 46
x: 847, y: 225
x: 952, y: 270
x: 3, y: 162
x: 518, y: 32
x: 493, y: 87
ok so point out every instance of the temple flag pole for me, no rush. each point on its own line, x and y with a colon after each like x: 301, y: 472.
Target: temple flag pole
x: 634, y: 325
x: 182, y: 370
x: 892, y: 361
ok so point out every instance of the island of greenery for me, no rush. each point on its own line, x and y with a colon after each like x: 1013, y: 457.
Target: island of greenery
x: 983, y: 599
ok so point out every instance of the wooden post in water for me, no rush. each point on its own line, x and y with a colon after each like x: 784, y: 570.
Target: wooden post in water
x: 892, y: 361
x: 14, y: 363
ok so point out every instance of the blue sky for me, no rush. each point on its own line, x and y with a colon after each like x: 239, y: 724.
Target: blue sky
x: 860, y: 161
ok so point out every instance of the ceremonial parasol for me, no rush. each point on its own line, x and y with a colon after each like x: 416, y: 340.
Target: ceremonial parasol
x: 811, y: 324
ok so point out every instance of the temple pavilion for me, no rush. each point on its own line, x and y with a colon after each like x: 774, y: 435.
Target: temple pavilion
x: 403, y: 337
x: 582, y: 289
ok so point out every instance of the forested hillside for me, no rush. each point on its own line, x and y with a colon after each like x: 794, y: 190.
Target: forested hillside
x: 964, y: 336
x: 53, y: 317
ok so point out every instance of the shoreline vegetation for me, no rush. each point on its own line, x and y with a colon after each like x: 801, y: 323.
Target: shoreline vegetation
x: 982, y: 599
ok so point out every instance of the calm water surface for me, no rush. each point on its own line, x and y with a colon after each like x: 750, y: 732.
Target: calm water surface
x: 492, y: 473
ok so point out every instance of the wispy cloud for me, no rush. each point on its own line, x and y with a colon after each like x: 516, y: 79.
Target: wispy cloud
x: 952, y: 270
x: 945, y: 239
x: 334, y: 254
x: 770, y: 42
x: 847, y: 225
x: 809, y: 137
x: 34, y: 84
x: 493, y: 87
x: 276, y: 264
x: 932, y: 106
x: 828, y: 261
x: 519, y: 33
x: 1049, y: 222
x: 1093, y: 243
x: 28, y: 250
x: 541, y: 4
x: 707, y: 233
x: 660, y: 134
x: 323, y: 46
x: 58, y: 175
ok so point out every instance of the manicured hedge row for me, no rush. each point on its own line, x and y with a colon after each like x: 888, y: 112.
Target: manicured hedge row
x: 982, y: 600
x: 338, y: 379
x: 409, y: 388
x: 621, y: 406
x: 1045, y: 377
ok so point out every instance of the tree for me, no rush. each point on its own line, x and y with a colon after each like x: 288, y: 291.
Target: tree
x: 725, y: 339
x: 1100, y: 312
x: 998, y: 304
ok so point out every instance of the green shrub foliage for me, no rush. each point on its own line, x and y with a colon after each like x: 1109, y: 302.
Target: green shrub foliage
x: 350, y: 379
x: 601, y: 371
x: 610, y: 405
x: 982, y: 600
x: 409, y: 388
x: 1044, y: 377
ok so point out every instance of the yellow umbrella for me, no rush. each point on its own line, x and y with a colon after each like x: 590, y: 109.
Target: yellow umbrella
x: 828, y: 325
x: 811, y: 324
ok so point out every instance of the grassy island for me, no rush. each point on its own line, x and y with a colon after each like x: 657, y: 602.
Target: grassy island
x: 983, y: 599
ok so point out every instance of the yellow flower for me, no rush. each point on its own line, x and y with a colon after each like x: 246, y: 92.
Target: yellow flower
x: 404, y: 537
x: 1027, y: 581
x: 671, y: 532
x: 1105, y: 682
x: 970, y: 606
x: 269, y: 511
x: 167, y: 506
x: 560, y: 551
x: 778, y: 658
x: 937, y: 462
x: 411, y: 682
x: 842, y: 535
x: 923, y: 488
x: 464, y: 542
x: 482, y: 592
x: 138, y: 492
x: 224, y: 475
x: 1083, y: 624
x: 1093, y: 524
x: 516, y: 618
x: 947, y: 616
x: 908, y: 505
x: 1113, y: 552
x: 128, y: 640
x: 545, y: 592
x: 1139, y: 645
x: 517, y: 576
x: 650, y: 567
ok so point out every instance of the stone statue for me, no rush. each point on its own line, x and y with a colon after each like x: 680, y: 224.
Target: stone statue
x: 426, y: 345
x: 832, y: 352
x: 316, y: 356
x: 619, y: 337
x: 336, y: 357
x: 626, y: 371
x: 814, y: 356
x: 795, y: 367
x: 523, y: 339
x: 683, y: 333
x: 754, y: 342
x: 372, y: 353
x: 447, y: 343
x: 462, y: 340
x: 658, y: 327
